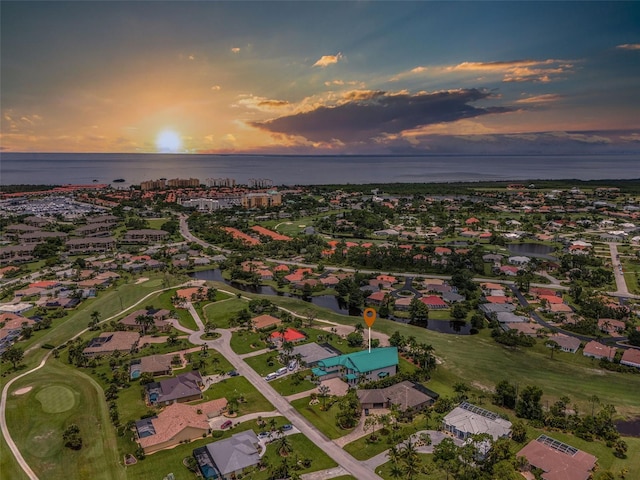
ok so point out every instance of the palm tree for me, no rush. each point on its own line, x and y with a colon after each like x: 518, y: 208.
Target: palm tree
x: 284, y: 445
x: 553, y: 345
x: 323, y: 393
x: 394, y: 454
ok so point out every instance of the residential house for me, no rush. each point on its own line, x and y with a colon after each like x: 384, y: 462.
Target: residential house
x: 611, y: 326
x: 177, y: 423
x: 159, y: 320
x: 312, y: 353
x: 229, y: 458
x: 181, y: 388
x: 109, y: 342
x: 434, y: 302
x: 405, y: 395
x: 631, y: 358
x: 290, y: 335
x: 567, y: 344
x: 557, y: 460
x: 265, y: 322
x: 598, y: 350
x: 153, y: 364
x: 467, y: 419
x: 364, y: 365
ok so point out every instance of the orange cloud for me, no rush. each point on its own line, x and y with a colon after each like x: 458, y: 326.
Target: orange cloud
x: 546, y: 98
x: 327, y: 60
x: 629, y: 46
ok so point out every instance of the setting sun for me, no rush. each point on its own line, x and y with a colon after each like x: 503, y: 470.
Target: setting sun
x: 168, y: 141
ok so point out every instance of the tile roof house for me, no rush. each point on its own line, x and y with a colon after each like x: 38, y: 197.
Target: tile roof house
x: 230, y: 457
x: 264, y: 321
x: 434, y: 302
x: 631, y: 358
x: 597, y: 350
x: 406, y: 395
x: 557, y: 460
x: 154, y: 364
x: 158, y: 316
x: 567, y: 343
x: 182, y: 388
x: 177, y: 423
x: 109, y: 342
x: 367, y: 365
x: 290, y: 335
x: 467, y: 419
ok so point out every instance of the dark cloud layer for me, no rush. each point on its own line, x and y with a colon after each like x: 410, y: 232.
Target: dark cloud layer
x: 367, y: 115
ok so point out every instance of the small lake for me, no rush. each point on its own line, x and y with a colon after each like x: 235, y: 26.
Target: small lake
x: 629, y: 428
x: 532, y: 250
x: 326, y: 301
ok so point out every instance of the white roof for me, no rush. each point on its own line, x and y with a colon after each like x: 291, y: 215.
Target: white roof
x: 474, y: 420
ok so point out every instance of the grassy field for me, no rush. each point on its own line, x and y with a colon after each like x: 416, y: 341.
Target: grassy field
x: 302, y: 448
x: 285, y: 385
x: 221, y: 312
x: 480, y: 362
x: 236, y: 387
x: 61, y: 396
x: 246, y: 342
x: 362, y: 449
x: 323, y: 421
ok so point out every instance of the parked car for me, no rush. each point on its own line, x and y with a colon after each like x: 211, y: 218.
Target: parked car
x: 233, y: 373
x: 286, y: 427
x: 264, y: 435
x: 282, y: 371
x: 226, y: 424
x: 292, y: 365
x: 271, y: 376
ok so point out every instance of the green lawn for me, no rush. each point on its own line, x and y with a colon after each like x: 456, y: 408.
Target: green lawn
x: 37, y: 426
x: 265, y: 363
x: 362, y: 449
x: 285, y: 386
x: 224, y: 310
x: 239, y: 386
x: 302, y: 448
x: 246, y: 342
x: 323, y: 421
x: 184, y: 317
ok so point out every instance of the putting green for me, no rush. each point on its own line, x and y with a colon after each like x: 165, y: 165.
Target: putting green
x: 56, y: 399
x: 152, y: 283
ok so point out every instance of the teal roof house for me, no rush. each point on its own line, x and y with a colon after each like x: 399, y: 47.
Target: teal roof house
x: 360, y: 366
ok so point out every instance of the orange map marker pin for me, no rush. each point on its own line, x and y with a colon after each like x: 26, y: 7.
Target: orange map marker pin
x: 369, y: 315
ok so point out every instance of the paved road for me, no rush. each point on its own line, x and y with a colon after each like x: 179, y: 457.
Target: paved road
x: 621, y: 284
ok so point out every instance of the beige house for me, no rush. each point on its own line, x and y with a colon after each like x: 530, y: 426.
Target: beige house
x: 177, y: 423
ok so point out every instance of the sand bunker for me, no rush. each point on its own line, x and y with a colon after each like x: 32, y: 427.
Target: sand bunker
x: 22, y: 391
x: 141, y: 280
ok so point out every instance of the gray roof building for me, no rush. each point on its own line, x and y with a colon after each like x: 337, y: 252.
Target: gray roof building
x: 467, y: 419
x: 312, y: 353
x: 228, y: 458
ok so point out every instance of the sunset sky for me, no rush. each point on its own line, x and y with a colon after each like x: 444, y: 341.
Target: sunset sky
x: 320, y: 77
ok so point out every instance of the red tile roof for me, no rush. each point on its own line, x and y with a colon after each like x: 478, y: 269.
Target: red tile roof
x: 290, y: 335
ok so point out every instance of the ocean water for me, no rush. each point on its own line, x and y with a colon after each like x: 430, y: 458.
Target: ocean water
x: 58, y: 169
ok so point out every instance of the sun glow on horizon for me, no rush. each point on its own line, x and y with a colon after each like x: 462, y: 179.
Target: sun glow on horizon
x: 168, y: 141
